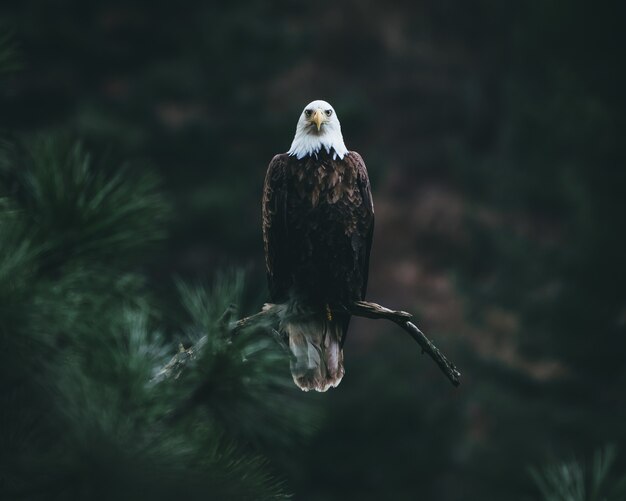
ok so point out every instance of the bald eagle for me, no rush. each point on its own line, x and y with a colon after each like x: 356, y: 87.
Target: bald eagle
x: 318, y: 220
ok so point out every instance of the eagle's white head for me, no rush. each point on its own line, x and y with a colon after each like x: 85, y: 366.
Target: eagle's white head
x: 318, y: 127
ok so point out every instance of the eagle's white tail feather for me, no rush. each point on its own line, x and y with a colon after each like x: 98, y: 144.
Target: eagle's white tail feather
x: 315, y: 343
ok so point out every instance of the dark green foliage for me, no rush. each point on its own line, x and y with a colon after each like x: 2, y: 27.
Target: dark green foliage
x: 552, y: 256
x: 79, y: 208
x: 247, y: 388
x: 559, y: 165
x: 80, y: 415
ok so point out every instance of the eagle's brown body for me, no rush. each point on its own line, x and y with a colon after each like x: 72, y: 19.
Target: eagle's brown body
x: 318, y: 220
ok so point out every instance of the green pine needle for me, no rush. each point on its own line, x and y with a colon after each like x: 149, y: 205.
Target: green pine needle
x: 80, y: 208
x: 575, y: 481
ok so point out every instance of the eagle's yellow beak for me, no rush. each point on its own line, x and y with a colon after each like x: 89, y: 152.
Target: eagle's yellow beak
x: 318, y: 119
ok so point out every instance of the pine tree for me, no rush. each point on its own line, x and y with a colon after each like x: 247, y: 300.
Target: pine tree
x: 81, y: 413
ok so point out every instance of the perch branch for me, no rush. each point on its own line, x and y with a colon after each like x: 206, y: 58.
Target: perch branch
x: 270, y: 316
x: 402, y: 318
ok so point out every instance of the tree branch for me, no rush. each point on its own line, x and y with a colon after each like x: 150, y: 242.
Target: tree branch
x: 402, y: 318
x: 271, y: 314
x: 174, y: 368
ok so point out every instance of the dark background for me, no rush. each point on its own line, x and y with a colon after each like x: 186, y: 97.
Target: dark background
x: 494, y: 137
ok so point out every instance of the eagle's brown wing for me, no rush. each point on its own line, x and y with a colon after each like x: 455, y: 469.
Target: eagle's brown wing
x: 275, y: 234
x: 365, y: 240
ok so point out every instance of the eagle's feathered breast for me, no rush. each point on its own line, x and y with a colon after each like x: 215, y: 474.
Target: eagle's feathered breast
x: 317, y: 226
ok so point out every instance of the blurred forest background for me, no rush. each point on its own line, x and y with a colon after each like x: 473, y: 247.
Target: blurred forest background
x: 135, y: 138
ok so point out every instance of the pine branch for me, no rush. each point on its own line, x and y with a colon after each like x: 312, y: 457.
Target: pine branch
x: 174, y: 368
x: 271, y: 315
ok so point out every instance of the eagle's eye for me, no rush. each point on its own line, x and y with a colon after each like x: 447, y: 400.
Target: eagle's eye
x: 329, y: 112
x: 307, y: 113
